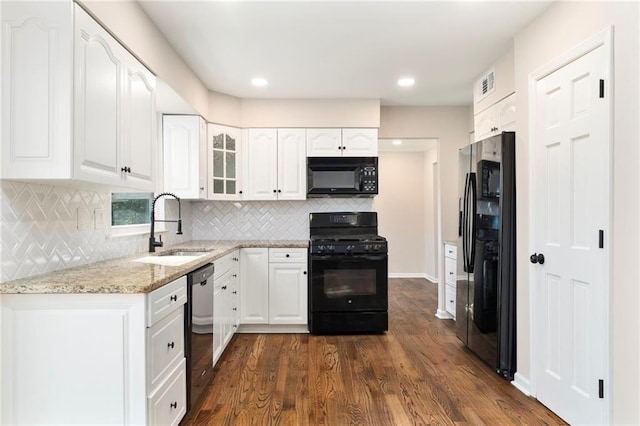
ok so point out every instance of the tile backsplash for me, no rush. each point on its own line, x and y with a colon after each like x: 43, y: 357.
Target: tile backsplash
x: 44, y: 228
x: 39, y: 229
x: 268, y: 220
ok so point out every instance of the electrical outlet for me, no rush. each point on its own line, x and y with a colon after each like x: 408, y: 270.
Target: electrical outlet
x: 84, y: 219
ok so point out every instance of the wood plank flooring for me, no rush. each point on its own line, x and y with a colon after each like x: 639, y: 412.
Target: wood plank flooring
x: 418, y: 373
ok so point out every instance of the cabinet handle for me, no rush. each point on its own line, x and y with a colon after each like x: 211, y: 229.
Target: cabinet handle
x: 224, y: 287
x: 450, y: 273
x: 234, y: 275
x: 239, y: 192
x: 174, y: 298
x: 279, y: 190
x: 304, y: 272
x: 274, y: 191
x: 126, y: 169
x: 171, y: 345
x: 174, y: 404
x: 235, y: 309
x: 235, y: 292
x: 202, y: 188
x: 287, y: 255
x: 450, y: 301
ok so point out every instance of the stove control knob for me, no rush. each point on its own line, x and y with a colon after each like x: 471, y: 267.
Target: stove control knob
x: 350, y: 247
x: 331, y: 248
x: 367, y: 247
x: 320, y: 248
x: 376, y: 247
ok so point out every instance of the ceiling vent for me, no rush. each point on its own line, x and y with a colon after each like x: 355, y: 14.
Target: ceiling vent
x: 486, y: 84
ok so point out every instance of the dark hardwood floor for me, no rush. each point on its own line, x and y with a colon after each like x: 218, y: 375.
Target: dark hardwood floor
x: 418, y: 373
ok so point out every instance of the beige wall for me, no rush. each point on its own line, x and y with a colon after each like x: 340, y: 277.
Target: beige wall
x: 560, y: 28
x: 450, y: 125
x: 504, y: 83
x: 400, y: 206
x: 131, y: 26
x: 310, y: 113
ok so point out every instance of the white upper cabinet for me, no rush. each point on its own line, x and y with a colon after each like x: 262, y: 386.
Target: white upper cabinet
x: 275, y: 164
x: 184, y: 143
x: 224, y: 162
x: 76, y: 103
x: 496, y: 119
x: 359, y: 142
x: 292, y: 164
x: 342, y: 142
x: 324, y: 142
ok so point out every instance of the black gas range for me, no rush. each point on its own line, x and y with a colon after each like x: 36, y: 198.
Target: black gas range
x: 348, y: 274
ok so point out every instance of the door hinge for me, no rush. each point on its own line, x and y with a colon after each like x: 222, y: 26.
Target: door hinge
x: 601, y: 389
x: 602, y: 88
x: 600, y: 238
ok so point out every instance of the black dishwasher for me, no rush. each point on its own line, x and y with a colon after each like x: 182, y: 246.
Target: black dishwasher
x: 198, y: 323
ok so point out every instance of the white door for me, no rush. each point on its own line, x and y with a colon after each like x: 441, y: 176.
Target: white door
x: 571, y: 206
x: 292, y: 164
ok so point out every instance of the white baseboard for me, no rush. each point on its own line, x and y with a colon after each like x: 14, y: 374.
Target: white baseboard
x: 443, y: 314
x: 273, y: 328
x: 407, y: 275
x: 522, y: 384
x: 431, y: 278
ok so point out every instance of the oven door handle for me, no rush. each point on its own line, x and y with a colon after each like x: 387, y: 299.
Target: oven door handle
x: 372, y: 257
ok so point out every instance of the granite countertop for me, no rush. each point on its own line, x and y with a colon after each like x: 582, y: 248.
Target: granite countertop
x: 125, y: 275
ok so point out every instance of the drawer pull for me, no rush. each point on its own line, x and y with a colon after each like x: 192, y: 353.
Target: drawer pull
x: 450, y: 273
x: 174, y: 404
x: 235, y: 292
x: 171, y: 345
x: 224, y: 287
x: 235, y: 309
x: 174, y: 298
x: 234, y: 275
x: 450, y: 301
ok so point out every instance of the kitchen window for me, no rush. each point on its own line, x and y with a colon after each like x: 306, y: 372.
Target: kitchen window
x: 131, y: 213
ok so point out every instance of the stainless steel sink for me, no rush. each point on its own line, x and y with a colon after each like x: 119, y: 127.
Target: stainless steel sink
x: 183, y: 253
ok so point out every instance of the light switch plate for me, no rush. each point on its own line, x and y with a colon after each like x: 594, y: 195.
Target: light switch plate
x: 84, y: 219
x: 98, y: 218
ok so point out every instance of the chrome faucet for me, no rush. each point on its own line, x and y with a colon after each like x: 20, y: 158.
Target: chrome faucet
x: 152, y: 239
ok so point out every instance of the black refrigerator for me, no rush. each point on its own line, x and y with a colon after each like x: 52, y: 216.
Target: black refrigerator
x: 486, y: 279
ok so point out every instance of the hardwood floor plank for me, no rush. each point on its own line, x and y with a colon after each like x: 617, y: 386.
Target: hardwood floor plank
x: 418, y: 373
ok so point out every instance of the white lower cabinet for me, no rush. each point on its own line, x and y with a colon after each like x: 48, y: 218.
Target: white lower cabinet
x: 225, y: 302
x: 93, y: 358
x: 273, y: 289
x: 450, y: 256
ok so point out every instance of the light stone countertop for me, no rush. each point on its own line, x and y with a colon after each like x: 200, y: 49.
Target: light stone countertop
x: 125, y: 275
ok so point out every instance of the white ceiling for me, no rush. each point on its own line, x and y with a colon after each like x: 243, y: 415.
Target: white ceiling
x: 343, y: 49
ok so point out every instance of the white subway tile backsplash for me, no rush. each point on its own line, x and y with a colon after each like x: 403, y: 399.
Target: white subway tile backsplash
x: 268, y: 220
x: 39, y: 229
x: 39, y: 225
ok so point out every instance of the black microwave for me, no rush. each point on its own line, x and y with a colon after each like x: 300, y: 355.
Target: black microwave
x: 342, y: 176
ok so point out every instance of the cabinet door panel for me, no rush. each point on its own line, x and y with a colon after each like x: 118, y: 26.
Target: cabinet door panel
x: 181, y: 146
x: 324, y: 142
x: 254, y: 286
x: 224, y: 156
x: 262, y: 165
x: 292, y: 177
x: 140, y: 142
x: 485, y: 123
x: 36, y: 90
x: 360, y: 142
x: 287, y: 293
x: 98, y: 98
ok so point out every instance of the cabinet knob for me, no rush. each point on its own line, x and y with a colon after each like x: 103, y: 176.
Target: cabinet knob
x: 174, y: 298
x: 235, y: 309
x: 287, y: 255
x: 239, y: 192
x: 174, y: 404
x: 450, y: 273
x: 235, y: 292
x: 274, y: 191
x: 171, y: 345
x: 202, y: 188
x: 224, y: 287
x: 234, y: 275
x: 279, y: 190
x: 304, y: 272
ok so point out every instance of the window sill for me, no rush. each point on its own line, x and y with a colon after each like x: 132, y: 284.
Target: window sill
x: 133, y: 230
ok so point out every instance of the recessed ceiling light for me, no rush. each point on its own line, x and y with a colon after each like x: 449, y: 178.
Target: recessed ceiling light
x: 259, y: 82
x: 396, y: 142
x: 406, y: 81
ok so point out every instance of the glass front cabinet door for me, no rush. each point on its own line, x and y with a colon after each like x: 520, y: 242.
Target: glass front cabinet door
x: 224, y: 162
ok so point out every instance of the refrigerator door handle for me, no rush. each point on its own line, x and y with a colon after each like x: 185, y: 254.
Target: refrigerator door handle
x: 473, y: 235
x: 465, y: 223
